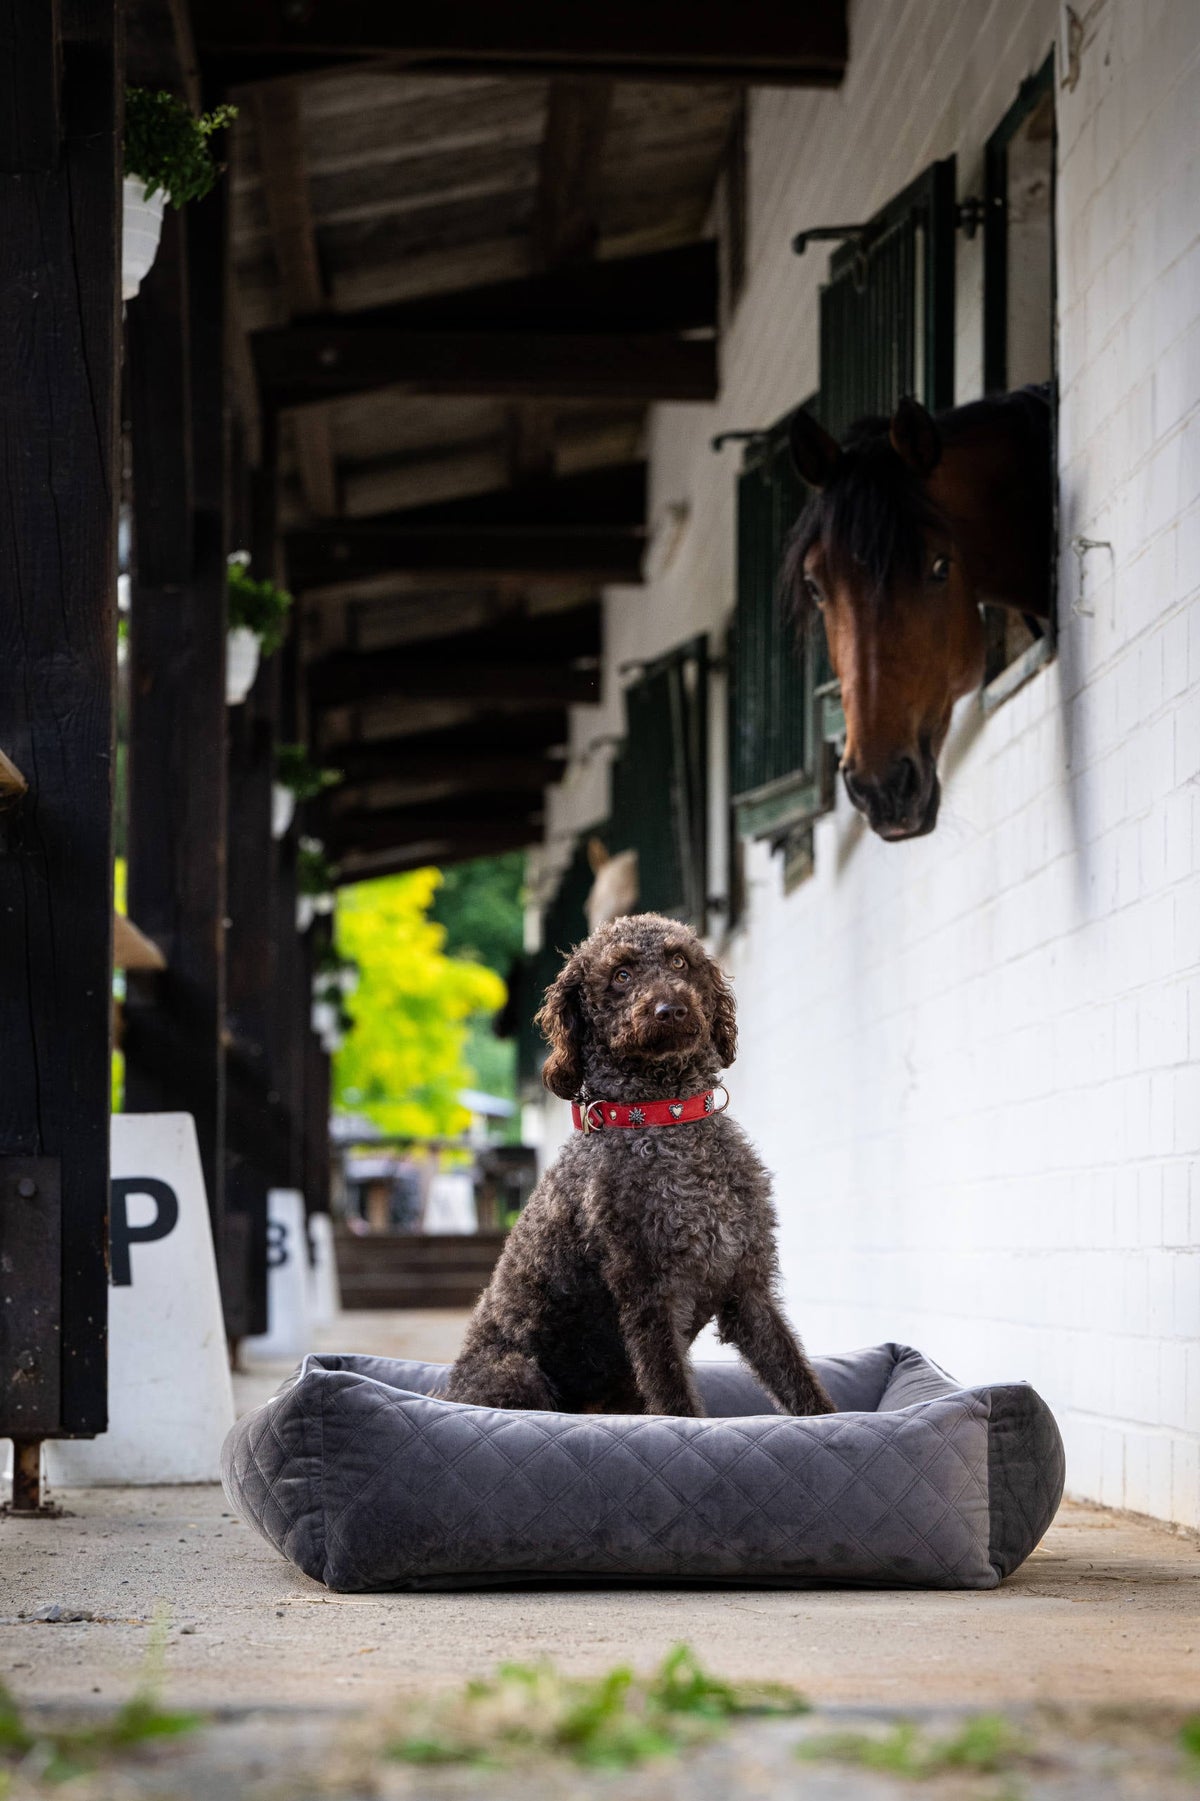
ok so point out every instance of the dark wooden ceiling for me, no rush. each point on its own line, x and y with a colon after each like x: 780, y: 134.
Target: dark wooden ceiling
x: 469, y: 250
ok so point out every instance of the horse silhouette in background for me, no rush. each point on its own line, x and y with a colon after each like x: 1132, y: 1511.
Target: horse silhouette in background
x: 914, y: 523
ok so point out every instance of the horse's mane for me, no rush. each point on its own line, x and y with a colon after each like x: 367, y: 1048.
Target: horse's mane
x: 873, y: 516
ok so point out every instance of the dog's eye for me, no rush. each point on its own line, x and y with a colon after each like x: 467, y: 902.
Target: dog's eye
x: 678, y: 962
x: 622, y: 976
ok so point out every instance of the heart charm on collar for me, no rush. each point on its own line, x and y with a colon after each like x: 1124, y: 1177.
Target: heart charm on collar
x: 675, y: 1109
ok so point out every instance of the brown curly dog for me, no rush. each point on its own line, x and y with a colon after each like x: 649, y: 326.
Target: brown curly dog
x: 636, y: 1238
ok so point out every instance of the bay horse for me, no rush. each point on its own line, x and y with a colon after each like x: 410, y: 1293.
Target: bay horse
x: 913, y: 525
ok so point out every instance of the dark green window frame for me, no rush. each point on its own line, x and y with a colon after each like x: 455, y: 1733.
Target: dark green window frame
x: 660, y: 783
x: 1030, y: 95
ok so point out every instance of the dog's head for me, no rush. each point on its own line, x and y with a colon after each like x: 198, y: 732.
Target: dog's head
x: 641, y: 994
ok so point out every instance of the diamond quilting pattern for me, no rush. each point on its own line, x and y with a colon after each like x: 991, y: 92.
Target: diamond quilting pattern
x: 369, y: 1486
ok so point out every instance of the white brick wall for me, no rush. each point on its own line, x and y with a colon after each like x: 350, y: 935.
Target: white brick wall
x: 974, y: 1061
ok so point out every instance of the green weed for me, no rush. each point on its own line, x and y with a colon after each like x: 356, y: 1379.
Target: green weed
x: 609, y: 1722
x: 985, y: 1745
x: 59, y: 1752
x: 1189, y: 1739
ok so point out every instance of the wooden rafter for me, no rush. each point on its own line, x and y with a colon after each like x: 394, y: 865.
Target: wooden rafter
x: 293, y: 233
x: 303, y: 363
x: 593, y: 554
x: 801, y: 45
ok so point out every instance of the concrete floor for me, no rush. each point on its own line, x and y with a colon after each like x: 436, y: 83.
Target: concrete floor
x: 1106, y: 1614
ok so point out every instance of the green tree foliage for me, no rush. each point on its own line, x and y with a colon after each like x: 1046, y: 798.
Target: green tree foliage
x: 480, y: 906
x: 404, y: 1060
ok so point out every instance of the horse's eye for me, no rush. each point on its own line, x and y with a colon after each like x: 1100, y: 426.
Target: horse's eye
x: 678, y: 962
x: 812, y: 591
x: 622, y: 976
x: 941, y: 570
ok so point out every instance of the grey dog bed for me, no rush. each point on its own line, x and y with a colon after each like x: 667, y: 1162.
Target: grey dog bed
x: 365, y: 1480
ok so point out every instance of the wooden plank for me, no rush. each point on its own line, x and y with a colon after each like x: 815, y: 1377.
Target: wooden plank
x: 368, y: 866
x: 30, y: 1306
x: 317, y: 559
x: 29, y: 82
x: 540, y: 657
x: 611, y: 496
x: 159, y: 398
x: 284, y: 177
x: 480, y: 769
x: 467, y: 817
x: 662, y: 290
x: 671, y: 40
x: 174, y: 1023
x: 59, y: 487
x: 300, y: 364
x: 569, y: 170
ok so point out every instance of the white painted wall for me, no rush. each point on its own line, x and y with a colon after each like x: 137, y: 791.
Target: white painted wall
x: 973, y: 1061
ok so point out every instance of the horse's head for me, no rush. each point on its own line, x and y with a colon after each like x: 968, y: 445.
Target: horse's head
x: 874, y: 552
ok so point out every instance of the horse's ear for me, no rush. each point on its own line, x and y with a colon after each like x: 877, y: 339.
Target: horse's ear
x: 814, y: 453
x: 597, y: 855
x: 915, y: 436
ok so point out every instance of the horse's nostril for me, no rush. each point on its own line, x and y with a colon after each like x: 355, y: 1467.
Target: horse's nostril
x: 854, y: 788
x: 906, y: 783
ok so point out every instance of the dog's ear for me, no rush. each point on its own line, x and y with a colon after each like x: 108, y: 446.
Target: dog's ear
x: 561, y: 1024
x: 724, y: 1020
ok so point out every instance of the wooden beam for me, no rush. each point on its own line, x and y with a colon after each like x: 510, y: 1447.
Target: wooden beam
x: 803, y: 45
x: 570, y: 169
x: 174, y: 1024
x: 475, y: 769
x: 159, y: 398
x: 29, y: 83
x: 549, y: 649
x: 60, y: 484
x: 658, y: 291
x: 318, y: 559
x: 367, y: 866
x: 346, y: 677
x: 301, y: 364
x: 284, y: 176
x: 527, y: 732
x: 393, y: 828
x: 614, y: 495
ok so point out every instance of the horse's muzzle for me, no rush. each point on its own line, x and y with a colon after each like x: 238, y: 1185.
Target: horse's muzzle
x: 901, y: 804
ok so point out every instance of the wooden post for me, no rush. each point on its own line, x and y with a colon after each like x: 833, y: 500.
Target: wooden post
x: 59, y: 363
x: 174, y: 1053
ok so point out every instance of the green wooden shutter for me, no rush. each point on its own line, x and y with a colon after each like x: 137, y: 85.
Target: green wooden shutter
x: 887, y: 310
x: 660, y: 784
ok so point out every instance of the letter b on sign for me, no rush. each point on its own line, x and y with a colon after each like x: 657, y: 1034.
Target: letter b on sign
x: 121, y: 1234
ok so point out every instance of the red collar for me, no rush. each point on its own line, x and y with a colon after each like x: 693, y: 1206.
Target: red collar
x: 605, y: 1116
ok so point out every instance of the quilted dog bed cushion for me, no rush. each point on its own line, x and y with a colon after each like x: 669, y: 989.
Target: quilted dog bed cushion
x: 365, y: 1480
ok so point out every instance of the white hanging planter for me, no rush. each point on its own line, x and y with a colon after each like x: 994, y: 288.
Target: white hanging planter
x: 306, y: 912
x: 324, y: 1019
x: 141, y: 228
x: 324, y: 903
x: 283, y: 809
x: 242, y: 650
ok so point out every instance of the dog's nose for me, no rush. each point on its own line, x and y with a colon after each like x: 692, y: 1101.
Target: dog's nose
x: 670, y: 1010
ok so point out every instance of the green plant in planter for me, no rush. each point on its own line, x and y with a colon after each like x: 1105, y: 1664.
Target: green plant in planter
x: 262, y: 607
x: 169, y: 149
x: 295, y: 769
x: 314, y: 873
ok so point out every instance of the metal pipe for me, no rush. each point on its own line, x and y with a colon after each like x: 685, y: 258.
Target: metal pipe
x: 27, y: 1475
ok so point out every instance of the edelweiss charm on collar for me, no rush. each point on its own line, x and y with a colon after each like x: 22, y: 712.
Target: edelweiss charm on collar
x: 604, y: 1116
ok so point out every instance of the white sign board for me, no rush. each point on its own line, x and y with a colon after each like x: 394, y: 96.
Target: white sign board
x: 170, y: 1398
x: 289, y: 1318
x: 324, y: 1298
